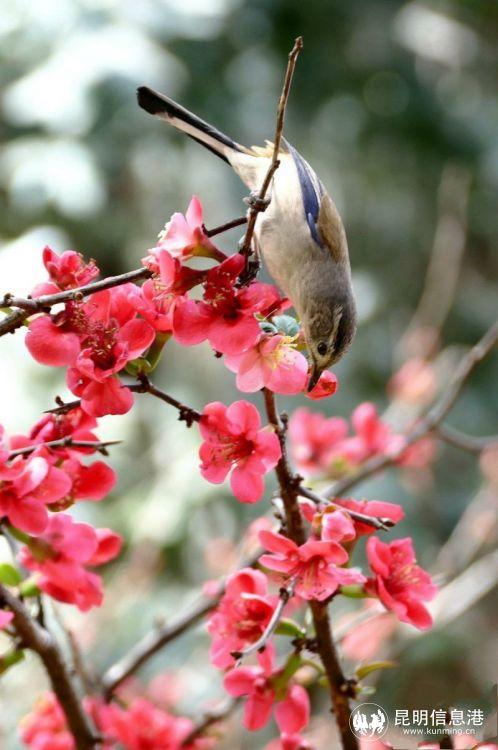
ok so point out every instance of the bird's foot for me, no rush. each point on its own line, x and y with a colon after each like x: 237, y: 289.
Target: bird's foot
x: 256, y: 203
x: 250, y: 272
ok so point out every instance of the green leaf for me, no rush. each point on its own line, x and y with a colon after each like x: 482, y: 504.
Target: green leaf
x: 29, y: 588
x: 9, y: 659
x: 286, y: 325
x: 289, y: 628
x: 374, y: 666
x: 354, y: 592
x: 9, y: 575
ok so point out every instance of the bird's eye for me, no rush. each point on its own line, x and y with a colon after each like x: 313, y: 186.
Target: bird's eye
x: 322, y: 348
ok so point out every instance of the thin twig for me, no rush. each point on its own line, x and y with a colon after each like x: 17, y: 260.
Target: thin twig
x: 429, y: 422
x: 461, y: 440
x: 285, y: 593
x: 260, y: 204
x: 40, y: 640
x: 210, y: 718
x: 156, y: 639
x: 383, y: 524
x: 66, y: 442
x: 224, y: 227
x: 29, y: 306
x: 289, y: 490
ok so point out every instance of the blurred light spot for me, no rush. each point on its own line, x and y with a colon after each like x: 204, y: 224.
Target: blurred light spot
x: 460, y: 93
x: 435, y: 36
x: 58, y: 172
x: 386, y: 93
x: 340, y: 120
x: 366, y: 294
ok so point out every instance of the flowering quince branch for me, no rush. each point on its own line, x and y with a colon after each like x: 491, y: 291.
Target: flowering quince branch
x: 461, y: 440
x: 67, y: 442
x: 430, y: 423
x: 210, y: 718
x: 225, y: 227
x: 260, y: 202
x: 383, y: 524
x: 285, y: 593
x: 39, y: 640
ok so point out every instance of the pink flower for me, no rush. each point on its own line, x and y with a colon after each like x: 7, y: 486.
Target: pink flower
x: 159, y: 295
x: 184, y: 236
x: 5, y: 618
x: 234, y: 441
x: 66, y: 271
x: 314, y: 564
x: 259, y: 684
x: 273, y: 363
x: 327, y: 385
x: 363, y: 640
x: 225, y: 316
x: 315, y: 439
x: 61, y: 555
x: 373, y: 435
x: 27, y: 486
x: 374, y: 508
x: 415, y: 382
x: 241, y: 616
x: 289, y: 742
x: 45, y: 728
x: 399, y: 583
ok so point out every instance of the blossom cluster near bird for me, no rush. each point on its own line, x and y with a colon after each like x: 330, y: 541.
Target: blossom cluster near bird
x: 109, y: 341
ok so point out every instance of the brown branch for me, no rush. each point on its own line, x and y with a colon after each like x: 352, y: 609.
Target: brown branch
x: 186, y: 413
x: 427, y: 424
x: 285, y: 593
x: 383, y: 524
x: 461, y: 440
x: 289, y: 490
x: 29, y: 306
x: 66, y: 442
x: 224, y: 227
x: 156, y: 639
x: 210, y: 718
x: 261, y: 203
x: 39, y: 640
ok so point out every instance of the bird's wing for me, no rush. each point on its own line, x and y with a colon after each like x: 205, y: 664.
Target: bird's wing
x: 312, y: 192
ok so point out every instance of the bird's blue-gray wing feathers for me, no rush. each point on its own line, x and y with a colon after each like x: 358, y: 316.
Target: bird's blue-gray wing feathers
x: 311, y: 190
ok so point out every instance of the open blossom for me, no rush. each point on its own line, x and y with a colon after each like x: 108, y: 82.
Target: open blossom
x: 314, y: 564
x: 374, y: 508
x: 184, y: 237
x: 259, y: 685
x: 60, y: 557
x: 27, y: 486
x: 88, y: 482
x: 373, y: 435
x: 399, y: 583
x: 241, y: 616
x: 66, y: 271
x: 226, y: 315
x: 315, y: 439
x: 234, y: 442
x: 273, y: 362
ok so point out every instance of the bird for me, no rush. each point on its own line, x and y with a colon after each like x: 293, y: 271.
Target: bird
x: 300, y: 234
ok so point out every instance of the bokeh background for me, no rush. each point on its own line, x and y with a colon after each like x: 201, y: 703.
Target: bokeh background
x: 397, y: 104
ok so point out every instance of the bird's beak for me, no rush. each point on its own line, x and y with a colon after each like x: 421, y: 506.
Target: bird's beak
x: 314, y: 377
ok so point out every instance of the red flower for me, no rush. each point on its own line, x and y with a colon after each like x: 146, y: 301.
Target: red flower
x: 374, y: 508
x: 225, y: 317
x: 45, y: 727
x: 27, y: 486
x: 273, y: 363
x: 184, y: 237
x: 234, y: 442
x: 314, y: 564
x: 66, y: 271
x: 259, y: 685
x: 399, y: 582
x: 315, y: 439
x: 373, y: 435
x: 327, y: 385
x: 241, y: 616
x: 61, y: 555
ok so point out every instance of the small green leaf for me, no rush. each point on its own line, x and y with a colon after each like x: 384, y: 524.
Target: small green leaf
x: 286, y: 325
x: 289, y: 628
x: 267, y: 327
x: 29, y: 588
x: 365, y: 690
x: 9, y: 659
x: 9, y: 575
x: 354, y: 592
x: 374, y: 666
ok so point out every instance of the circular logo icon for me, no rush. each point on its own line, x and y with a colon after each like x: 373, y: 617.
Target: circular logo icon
x: 368, y: 721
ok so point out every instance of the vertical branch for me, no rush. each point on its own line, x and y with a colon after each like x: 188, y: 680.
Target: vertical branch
x: 39, y: 640
x: 289, y: 490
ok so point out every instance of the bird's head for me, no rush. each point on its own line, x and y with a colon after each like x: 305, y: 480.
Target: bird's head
x: 329, y: 328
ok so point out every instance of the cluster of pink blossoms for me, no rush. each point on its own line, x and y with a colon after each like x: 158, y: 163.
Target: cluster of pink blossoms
x: 322, y: 445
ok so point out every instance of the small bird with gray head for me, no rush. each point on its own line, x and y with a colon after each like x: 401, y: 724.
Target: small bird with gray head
x: 300, y: 235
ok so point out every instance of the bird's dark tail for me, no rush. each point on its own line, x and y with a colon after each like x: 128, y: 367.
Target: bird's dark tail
x: 180, y: 118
